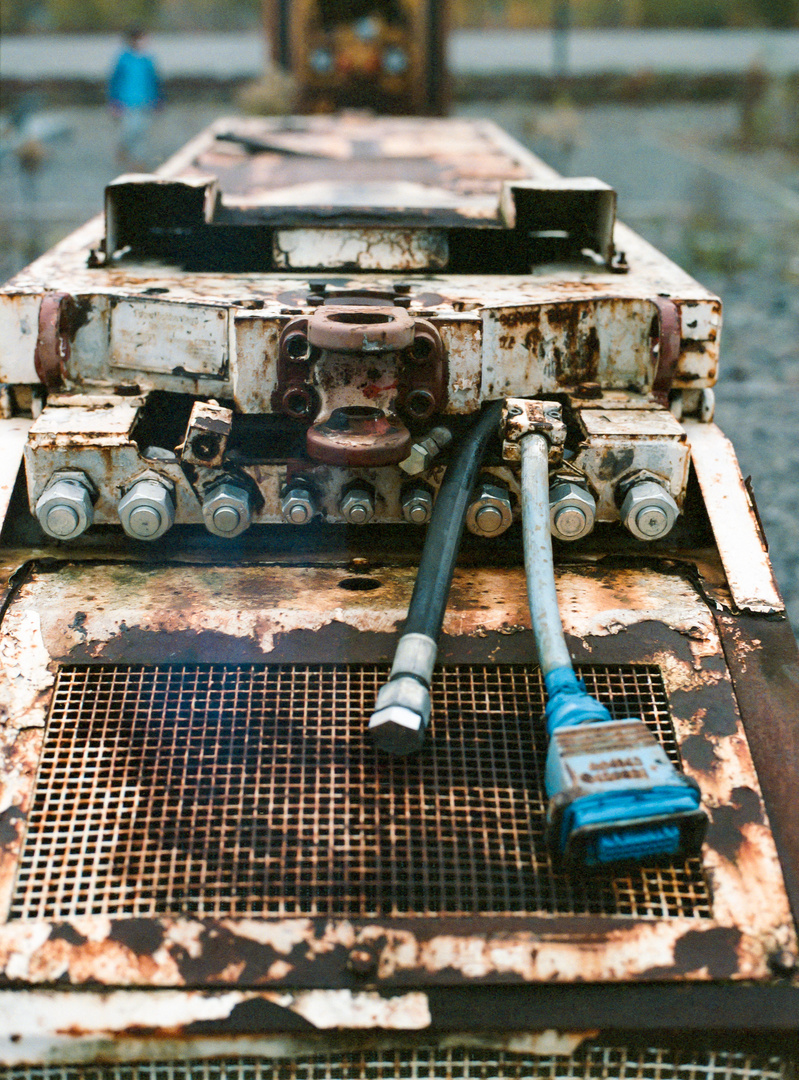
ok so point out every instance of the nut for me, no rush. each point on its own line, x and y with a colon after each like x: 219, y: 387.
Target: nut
x: 64, y: 509
x: 147, y: 510
x: 490, y: 512
x: 417, y: 505
x: 298, y: 506
x: 358, y: 506
x: 226, y: 509
x: 401, y: 716
x: 572, y: 511
x: 649, y: 511
x: 422, y: 454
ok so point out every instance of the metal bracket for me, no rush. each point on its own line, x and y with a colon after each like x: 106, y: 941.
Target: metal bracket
x: 521, y: 417
x: 665, y: 347
x: 207, y: 434
x: 421, y: 381
x: 52, y: 342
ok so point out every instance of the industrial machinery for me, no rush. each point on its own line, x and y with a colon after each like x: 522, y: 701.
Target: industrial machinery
x: 393, y: 678
x: 384, y: 55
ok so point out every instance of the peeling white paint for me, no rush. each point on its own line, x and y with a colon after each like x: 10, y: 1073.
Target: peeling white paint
x: 25, y: 673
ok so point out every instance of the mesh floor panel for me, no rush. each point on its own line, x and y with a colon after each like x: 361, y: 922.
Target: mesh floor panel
x: 254, y: 790
x: 459, y: 1063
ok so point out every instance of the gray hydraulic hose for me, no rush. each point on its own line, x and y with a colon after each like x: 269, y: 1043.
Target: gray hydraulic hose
x: 568, y: 703
x: 538, y: 563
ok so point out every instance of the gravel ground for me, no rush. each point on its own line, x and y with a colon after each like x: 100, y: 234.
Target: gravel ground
x: 731, y: 218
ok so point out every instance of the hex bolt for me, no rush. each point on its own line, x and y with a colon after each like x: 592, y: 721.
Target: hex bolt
x: 358, y: 506
x: 649, y: 511
x: 298, y: 505
x: 572, y: 511
x: 423, y: 452
x: 65, y: 508
x: 226, y: 509
x: 490, y: 513
x: 147, y: 511
x: 417, y: 505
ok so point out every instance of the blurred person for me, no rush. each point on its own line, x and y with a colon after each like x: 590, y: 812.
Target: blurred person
x: 134, y: 93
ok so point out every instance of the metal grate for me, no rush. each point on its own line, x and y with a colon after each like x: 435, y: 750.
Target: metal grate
x: 434, y: 1063
x: 222, y: 790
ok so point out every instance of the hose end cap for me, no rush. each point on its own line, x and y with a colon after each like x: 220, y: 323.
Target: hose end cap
x: 397, y: 730
x: 402, y: 714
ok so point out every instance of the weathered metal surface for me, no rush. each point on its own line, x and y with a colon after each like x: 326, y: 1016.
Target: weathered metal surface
x: 763, y: 660
x: 257, y: 613
x: 733, y: 520
x: 447, y: 164
x: 98, y: 441
x: 249, y: 1025
x: 582, y: 207
x: 360, y: 249
x: 118, y: 1027
x: 621, y: 442
x: 153, y: 335
x: 583, y: 319
x: 13, y: 436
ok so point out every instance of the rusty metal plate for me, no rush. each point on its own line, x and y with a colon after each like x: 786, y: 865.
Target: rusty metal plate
x: 254, y: 791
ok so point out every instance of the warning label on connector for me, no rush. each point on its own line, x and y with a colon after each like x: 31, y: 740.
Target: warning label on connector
x: 597, y: 754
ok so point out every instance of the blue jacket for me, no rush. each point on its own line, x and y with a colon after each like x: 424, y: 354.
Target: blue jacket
x: 134, y: 82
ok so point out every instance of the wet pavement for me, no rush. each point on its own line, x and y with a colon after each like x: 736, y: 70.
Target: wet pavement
x: 730, y: 217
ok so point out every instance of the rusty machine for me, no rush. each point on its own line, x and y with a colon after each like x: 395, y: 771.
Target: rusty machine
x: 386, y: 55
x: 393, y: 678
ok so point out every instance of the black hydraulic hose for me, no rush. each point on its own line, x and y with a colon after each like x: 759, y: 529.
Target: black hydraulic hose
x: 402, y: 712
x: 440, y: 552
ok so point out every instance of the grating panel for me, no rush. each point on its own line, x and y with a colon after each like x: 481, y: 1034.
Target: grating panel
x: 456, y: 1063
x: 254, y: 790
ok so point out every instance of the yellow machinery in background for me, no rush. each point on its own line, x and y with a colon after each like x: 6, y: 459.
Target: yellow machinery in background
x: 384, y: 55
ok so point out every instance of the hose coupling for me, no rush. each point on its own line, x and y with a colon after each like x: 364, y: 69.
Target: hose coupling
x: 522, y: 417
x: 568, y: 701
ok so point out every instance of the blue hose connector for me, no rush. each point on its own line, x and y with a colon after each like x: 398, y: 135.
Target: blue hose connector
x: 568, y: 701
x: 614, y: 796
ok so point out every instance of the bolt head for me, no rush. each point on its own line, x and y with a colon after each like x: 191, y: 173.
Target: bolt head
x: 357, y: 506
x: 298, y: 506
x: 572, y: 511
x: 64, y: 509
x: 417, y: 505
x: 147, y: 511
x: 649, y: 511
x: 226, y: 510
x: 490, y: 513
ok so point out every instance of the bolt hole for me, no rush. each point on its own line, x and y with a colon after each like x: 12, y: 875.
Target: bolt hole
x: 360, y: 584
x: 297, y: 347
x: 420, y: 404
x: 422, y: 348
x: 205, y: 446
x: 297, y: 403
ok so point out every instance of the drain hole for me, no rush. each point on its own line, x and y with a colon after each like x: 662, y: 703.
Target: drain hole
x: 359, y: 584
